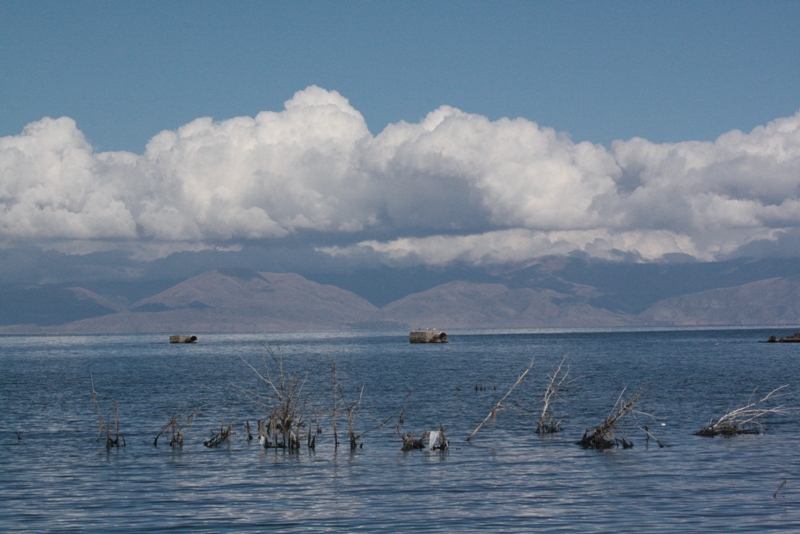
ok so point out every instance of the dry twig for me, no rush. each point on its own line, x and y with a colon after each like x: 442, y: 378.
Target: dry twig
x: 110, y: 442
x: 493, y: 414
x: 558, y: 384
x: 100, y: 421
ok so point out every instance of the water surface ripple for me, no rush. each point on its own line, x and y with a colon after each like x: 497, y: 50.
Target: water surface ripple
x: 58, y: 478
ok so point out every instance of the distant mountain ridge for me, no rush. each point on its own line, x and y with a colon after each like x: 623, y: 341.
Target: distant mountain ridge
x: 548, y: 294
x: 240, y: 301
x: 44, y: 305
x: 472, y: 305
x: 775, y: 301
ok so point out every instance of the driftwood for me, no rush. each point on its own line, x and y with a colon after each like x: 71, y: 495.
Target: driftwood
x: 604, y: 436
x: 747, y: 419
x: 493, y: 414
x: 558, y: 384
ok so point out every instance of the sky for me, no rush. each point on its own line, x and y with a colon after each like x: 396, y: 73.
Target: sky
x: 398, y: 133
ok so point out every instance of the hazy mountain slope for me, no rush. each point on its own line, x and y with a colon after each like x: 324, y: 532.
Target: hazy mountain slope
x: 235, y: 301
x: 774, y: 301
x: 52, y: 305
x: 632, y: 287
x: 472, y: 305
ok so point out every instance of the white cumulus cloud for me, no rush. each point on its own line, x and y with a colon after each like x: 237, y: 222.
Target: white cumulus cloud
x: 453, y: 187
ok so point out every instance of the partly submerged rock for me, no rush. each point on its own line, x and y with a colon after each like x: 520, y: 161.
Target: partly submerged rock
x: 794, y: 338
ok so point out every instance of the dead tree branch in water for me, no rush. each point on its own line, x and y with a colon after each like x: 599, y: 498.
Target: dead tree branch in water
x: 603, y: 436
x: 223, y: 436
x: 780, y: 487
x: 649, y: 435
x: 558, y: 384
x: 352, y: 413
x: 100, y: 421
x: 175, y: 426
x: 747, y: 419
x: 411, y: 442
x: 285, y: 402
x: 110, y: 442
x: 311, y: 438
x: 115, y: 441
x: 436, y: 439
x: 493, y: 413
x: 335, y: 406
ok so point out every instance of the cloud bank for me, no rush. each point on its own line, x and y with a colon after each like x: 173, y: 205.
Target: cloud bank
x: 453, y: 187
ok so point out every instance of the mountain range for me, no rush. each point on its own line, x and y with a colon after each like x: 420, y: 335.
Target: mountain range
x: 552, y: 292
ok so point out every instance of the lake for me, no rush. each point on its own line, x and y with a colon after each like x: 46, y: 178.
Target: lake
x: 507, y: 478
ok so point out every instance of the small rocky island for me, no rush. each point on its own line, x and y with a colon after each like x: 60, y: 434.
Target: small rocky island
x: 179, y: 338
x: 427, y: 336
x: 794, y: 338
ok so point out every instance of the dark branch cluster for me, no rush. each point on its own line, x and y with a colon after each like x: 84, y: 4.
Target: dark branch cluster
x: 610, y: 432
x: 175, y: 426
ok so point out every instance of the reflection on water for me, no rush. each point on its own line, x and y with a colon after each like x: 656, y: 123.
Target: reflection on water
x: 58, y: 478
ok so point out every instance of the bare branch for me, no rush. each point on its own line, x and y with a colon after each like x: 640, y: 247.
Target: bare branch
x: 748, y: 419
x: 493, y: 412
x: 603, y: 436
x: 558, y: 384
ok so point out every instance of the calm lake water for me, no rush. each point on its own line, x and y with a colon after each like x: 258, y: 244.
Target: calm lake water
x: 58, y: 478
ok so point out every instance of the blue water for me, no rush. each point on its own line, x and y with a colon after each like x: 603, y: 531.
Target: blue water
x: 58, y: 478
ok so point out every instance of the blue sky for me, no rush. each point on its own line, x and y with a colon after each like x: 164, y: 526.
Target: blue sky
x: 404, y: 134
x: 665, y: 71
